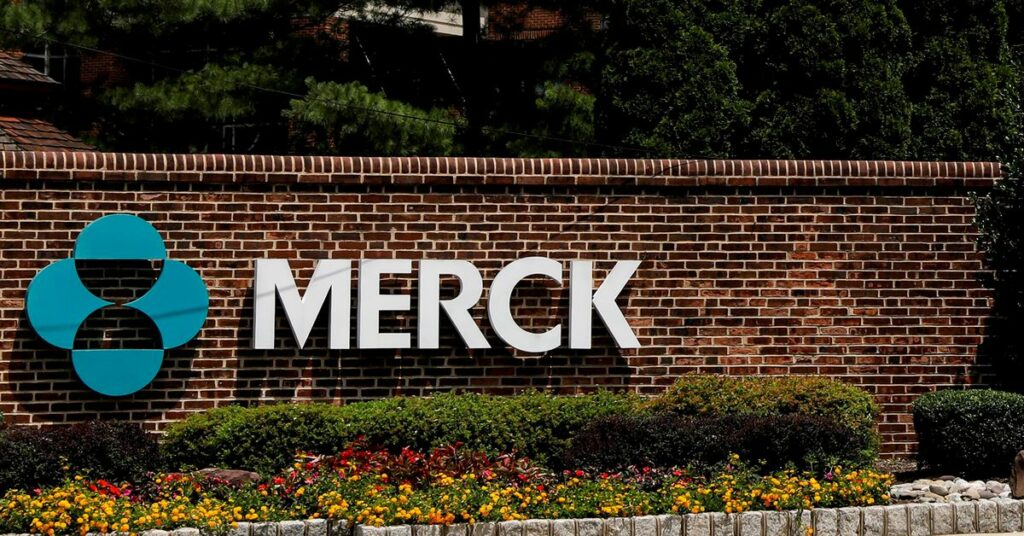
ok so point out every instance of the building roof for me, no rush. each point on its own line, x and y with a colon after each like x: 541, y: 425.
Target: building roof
x: 13, y: 69
x: 19, y: 134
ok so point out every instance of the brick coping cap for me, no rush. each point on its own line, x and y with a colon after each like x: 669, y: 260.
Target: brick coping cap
x: 221, y: 168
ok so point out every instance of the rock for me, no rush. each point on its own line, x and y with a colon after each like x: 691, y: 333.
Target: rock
x: 932, y: 497
x: 954, y: 497
x: 986, y: 494
x: 941, y: 491
x: 946, y: 478
x: 1017, y: 476
x: 234, y: 477
x: 996, y: 487
x: 907, y: 494
x: 973, y: 493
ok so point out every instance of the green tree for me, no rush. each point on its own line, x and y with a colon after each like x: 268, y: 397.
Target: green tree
x: 668, y: 84
x: 561, y: 112
x: 332, y: 119
x: 785, y: 79
x: 963, y: 80
x: 205, y: 64
x: 222, y: 75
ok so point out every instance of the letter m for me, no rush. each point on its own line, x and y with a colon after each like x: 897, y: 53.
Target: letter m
x: 274, y: 279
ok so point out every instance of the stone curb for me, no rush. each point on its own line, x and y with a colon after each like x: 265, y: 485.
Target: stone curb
x: 976, y: 517
x: 988, y: 516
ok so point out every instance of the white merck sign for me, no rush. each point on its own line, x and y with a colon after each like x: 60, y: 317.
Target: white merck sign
x: 333, y: 279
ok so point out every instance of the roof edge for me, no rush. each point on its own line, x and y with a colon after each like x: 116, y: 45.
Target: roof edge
x: 411, y: 170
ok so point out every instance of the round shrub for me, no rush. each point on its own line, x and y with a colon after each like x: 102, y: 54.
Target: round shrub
x: 975, y: 432
x: 704, y: 442
x: 845, y: 405
x: 33, y: 457
x: 535, y: 425
x: 263, y: 438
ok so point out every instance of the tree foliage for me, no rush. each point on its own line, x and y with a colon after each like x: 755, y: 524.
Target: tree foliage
x: 336, y: 119
x: 925, y: 79
x: 668, y: 84
x: 808, y: 79
x: 562, y: 113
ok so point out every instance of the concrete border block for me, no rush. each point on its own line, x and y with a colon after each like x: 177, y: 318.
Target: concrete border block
x: 482, y: 529
x: 365, y: 530
x: 965, y: 517
x: 507, y: 528
x: 698, y: 525
x: 873, y: 521
x: 1009, y: 516
x: 799, y: 522
x: 849, y: 521
x: 537, y: 527
x: 426, y: 530
x: 825, y: 522
x: 399, y: 530
x: 618, y: 526
x: 291, y: 528
x: 988, y: 517
x: 897, y: 522
x: 943, y: 519
x: 722, y: 524
x: 457, y: 529
x: 920, y: 518
x: 775, y: 524
x: 589, y: 527
x: 563, y: 527
x: 667, y: 525
x: 751, y: 524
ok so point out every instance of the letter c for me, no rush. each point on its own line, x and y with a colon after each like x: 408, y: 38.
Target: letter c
x: 499, y: 310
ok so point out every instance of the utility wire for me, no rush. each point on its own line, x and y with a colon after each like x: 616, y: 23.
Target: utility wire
x: 368, y: 109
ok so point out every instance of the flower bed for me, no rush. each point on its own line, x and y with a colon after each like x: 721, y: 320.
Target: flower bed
x: 448, y: 485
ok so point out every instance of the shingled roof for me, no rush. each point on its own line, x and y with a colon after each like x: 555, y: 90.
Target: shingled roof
x: 19, y: 134
x: 12, y: 69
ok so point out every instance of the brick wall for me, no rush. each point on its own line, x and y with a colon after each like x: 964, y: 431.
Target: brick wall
x: 862, y: 271
x: 522, y: 21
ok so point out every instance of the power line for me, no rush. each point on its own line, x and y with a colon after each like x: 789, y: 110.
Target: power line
x: 368, y: 109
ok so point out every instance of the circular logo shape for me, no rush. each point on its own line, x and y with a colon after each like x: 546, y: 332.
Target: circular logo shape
x: 58, y: 302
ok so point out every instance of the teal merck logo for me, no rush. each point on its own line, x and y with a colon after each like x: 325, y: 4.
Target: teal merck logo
x: 58, y: 303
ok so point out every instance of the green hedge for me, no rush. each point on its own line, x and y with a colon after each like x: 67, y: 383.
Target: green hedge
x: 266, y: 438
x: 976, y: 432
x: 33, y: 457
x: 537, y: 425
x: 703, y: 443
x: 844, y: 404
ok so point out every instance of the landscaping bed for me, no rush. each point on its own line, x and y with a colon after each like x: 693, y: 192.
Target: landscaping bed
x: 709, y: 445
x: 376, y: 487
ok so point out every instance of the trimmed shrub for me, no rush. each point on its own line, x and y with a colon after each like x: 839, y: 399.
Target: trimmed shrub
x: 976, y: 432
x: 535, y: 425
x: 33, y: 457
x: 845, y: 405
x: 704, y: 442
